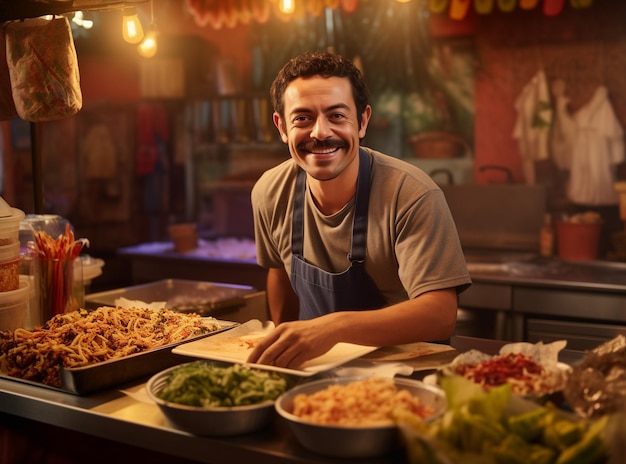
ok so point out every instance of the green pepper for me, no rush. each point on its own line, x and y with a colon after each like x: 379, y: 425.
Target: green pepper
x: 480, y: 432
x: 512, y: 450
x: 529, y: 425
x: 588, y: 450
x: 540, y: 454
x: 561, y: 433
x: 515, y: 450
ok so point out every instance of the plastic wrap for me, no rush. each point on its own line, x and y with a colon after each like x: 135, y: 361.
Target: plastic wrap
x: 43, y: 69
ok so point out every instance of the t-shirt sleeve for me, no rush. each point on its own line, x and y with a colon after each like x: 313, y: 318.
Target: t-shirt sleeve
x: 264, y: 208
x: 428, y: 248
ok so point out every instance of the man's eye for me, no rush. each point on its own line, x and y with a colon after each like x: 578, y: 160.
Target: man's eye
x: 337, y: 116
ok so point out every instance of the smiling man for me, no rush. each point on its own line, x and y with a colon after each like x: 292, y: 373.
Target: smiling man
x: 360, y: 246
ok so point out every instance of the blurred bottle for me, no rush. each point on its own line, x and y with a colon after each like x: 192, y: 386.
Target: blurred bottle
x: 546, y: 237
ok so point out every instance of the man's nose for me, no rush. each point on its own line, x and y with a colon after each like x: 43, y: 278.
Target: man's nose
x: 321, y: 129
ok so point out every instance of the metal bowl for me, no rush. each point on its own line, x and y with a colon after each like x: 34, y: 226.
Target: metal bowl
x: 217, y: 421
x: 353, y: 442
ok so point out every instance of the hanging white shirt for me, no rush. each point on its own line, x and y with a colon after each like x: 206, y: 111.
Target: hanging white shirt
x: 532, y: 127
x: 597, y: 148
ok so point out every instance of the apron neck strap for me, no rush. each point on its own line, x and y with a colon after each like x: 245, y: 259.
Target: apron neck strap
x: 359, y: 226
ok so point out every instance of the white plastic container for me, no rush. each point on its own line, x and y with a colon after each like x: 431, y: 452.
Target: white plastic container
x: 14, y: 306
x: 10, y: 227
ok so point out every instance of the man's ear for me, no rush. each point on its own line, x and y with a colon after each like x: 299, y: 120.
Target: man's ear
x: 278, y: 122
x: 365, y: 119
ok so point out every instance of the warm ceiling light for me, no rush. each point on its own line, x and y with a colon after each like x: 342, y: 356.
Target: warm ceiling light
x: 287, y: 6
x: 149, y: 46
x: 131, y: 26
x: 79, y: 20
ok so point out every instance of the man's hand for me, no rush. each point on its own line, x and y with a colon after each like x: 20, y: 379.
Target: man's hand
x: 290, y: 344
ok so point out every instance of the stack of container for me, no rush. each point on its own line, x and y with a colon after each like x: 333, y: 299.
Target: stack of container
x: 15, y: 289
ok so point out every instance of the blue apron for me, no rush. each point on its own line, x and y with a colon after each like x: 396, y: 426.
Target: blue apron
x: 321, y: 292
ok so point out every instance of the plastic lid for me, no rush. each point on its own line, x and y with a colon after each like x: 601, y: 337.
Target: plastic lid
x: 5, y: 208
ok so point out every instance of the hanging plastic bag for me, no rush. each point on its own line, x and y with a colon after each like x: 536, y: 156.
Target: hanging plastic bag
x: 7, y: 106
x: 43, y: 67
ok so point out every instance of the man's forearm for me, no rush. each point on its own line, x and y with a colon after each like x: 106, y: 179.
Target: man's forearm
x: 282, y: 300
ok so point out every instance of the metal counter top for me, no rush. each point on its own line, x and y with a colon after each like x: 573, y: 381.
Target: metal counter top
x: 484, y: 266
x: 582, y: 275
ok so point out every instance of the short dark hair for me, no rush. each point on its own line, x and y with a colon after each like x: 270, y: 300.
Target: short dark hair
x: 323, y: 64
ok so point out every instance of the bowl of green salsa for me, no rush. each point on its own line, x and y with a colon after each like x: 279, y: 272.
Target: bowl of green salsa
x: 219, y: 399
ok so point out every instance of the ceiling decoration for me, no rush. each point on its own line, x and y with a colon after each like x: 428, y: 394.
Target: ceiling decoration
x: 459, y: 9
x: 226, y: 13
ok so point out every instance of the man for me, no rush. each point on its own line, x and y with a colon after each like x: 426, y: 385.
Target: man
x: 360, y: 246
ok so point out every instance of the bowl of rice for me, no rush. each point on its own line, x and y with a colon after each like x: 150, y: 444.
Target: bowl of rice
x: 217, y: 399
x: 353, y: 417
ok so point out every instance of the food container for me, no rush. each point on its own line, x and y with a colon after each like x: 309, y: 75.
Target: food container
x: 210, y: 421
x: 184, y: 236
x: 9, y: 267
x: 14, y: 305
x: 438, y: 145
x: 10, y: 226
x: 353, y: 442
x: 578, y: 241
x: 204, y: 298
x: 92, y: 268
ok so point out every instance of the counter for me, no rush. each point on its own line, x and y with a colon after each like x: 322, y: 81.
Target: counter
x: 117, y: 423
x: 229, y: 261
x: 546, y: 299
x: 528, y: 297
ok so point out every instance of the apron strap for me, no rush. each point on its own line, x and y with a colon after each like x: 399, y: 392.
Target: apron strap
x: 359, y: 226
x: 297, y: 224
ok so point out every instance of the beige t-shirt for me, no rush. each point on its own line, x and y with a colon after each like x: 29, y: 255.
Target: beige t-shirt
x: 412, y: 242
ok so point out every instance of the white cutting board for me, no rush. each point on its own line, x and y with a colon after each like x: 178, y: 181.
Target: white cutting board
x: 235, y: 346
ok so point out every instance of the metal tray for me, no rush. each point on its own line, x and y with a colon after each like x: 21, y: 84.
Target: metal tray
x: 204, y: 298
x: 113, y: 372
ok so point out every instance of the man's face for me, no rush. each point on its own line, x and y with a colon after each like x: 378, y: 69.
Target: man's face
x: 320, y: 125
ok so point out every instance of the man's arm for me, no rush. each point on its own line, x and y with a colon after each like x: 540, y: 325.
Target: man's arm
x: 282, y: 300
x: 430, y: 316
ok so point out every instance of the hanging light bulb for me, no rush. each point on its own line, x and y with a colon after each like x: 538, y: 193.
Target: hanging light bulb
x: 287, y: 6
x: 149, y: 46
x: 79, y: 20
x: 131, y: 26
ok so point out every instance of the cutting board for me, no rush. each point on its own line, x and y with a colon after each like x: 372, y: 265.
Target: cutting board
x: 419, y: 355
x: 236, y: 345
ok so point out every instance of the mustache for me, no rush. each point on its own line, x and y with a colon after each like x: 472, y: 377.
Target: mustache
x: 320, y: 145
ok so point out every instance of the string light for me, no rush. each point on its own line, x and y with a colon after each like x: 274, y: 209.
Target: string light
x: 131, y: 26
x: 149, y: 46
x: 79, y: 20
x: 287, y: 6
